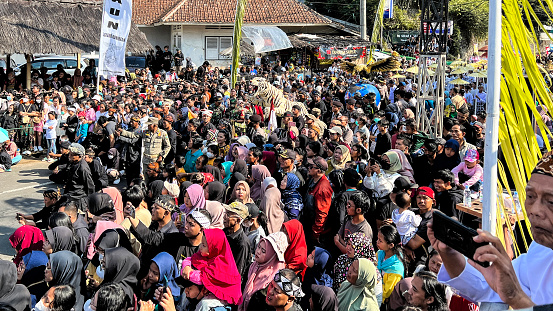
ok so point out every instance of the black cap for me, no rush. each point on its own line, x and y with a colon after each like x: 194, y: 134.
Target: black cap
x: 255, y: 118
x: 287, y: 114
x: 65, y: 144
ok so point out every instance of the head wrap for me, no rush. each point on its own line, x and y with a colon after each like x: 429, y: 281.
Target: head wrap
x: 197, y: 197
x: 360, y: 296
x: 61, y: 238
x: 296, y: 254
x: 288, y: 286
x: 24, y: 240
x: 259, y: 173
x: 168, y: 270
x: 362, y: 247
x: 77, y: 149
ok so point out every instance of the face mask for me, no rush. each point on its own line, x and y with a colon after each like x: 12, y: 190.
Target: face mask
x: 9, y: 98
x: 247, y: 224
x: 63, y: 112
x: 39, y: 101
x: 87, y: 106
x: 40, y: 306
x: 210, y: 155
x: 100, y: 272
x: 87, y: 306
x: 110, y: 156
x: 385, y: 165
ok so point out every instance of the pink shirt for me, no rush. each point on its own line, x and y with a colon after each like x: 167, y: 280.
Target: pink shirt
x: 476, y: 173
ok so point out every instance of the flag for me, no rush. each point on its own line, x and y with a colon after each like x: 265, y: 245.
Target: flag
x: 272, y: 119
x: 116, y: 25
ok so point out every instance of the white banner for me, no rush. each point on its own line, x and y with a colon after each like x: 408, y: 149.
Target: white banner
x: 116, y: 24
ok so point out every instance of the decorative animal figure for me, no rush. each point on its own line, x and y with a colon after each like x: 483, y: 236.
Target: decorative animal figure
x: 268, y: 93
x: 364, y: 70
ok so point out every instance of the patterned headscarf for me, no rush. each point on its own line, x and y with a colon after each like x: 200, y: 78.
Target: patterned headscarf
x: 362, y: 247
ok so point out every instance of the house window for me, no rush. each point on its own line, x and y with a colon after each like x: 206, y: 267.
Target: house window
x: 215, y: 45
x: 177, y: 41
x: 177, y: 27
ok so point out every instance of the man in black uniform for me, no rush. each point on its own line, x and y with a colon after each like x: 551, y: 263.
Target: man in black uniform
x: 167, y: 58
x: 97, y: 170
x: 134, y: 146
x: 79, y: 180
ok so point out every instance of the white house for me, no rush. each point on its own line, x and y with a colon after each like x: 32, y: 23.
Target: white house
x: 203, y: 28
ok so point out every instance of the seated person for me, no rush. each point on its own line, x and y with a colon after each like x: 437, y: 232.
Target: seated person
x: 468, y: 174
x: 12, y: 149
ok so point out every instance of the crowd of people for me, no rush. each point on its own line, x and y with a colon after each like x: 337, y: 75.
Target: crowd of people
x: 330, y: 211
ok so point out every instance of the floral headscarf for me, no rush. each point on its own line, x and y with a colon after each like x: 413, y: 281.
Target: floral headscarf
x: 363, y: 248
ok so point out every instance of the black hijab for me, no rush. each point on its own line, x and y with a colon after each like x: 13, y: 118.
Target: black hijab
x: 112, y: 238
x: 241, y: 167
x: 66, y: 269
x: 61, y: 238
x: 213, y: 171
x: 183, y: 188
x: 100, y: 203
x: 234, y: 179
x: 216, y: 191
x: 324, y: 298
x: 121, y: 268
x: 11, y: 293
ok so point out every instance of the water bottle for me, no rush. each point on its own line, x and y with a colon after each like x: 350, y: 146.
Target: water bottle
x: 467, y: 200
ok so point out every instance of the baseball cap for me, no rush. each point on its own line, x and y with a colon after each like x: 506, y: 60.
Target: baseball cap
x: 253, y: 210
x: 426, y: 191
x: 472, y: 155
x: 402, y: 183
x: 337, y: 104
x: 238, y: 208
x: 335, y: 130
x: 287, y: 114
x: 479, y: 124
x: 65, y: 144
x: 287, y: 154
x: 320, y: 163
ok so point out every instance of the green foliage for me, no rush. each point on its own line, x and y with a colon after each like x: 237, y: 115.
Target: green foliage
x: 470, y: 22
x: 403, y: 19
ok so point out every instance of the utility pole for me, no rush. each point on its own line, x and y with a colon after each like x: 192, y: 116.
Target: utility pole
x: 363, y: 18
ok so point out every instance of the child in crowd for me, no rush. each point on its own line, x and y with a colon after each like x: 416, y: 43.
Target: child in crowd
x: 469, y: 173
x: 357, y: 206
x: 5, y: 160
x: 82, y: 130
x: 389, y: 259
x: 50, y: 126
x: 405, y: 220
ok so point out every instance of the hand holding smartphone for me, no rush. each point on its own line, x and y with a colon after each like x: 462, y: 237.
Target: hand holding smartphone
x: 456, y: 235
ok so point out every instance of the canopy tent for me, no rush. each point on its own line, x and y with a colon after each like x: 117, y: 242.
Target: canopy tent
x: 67, y: 28
x: 266, y: 38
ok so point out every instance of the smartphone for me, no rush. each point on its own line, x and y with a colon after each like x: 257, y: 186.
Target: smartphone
x: 132, y: 211
x: 291, y: 123
x: 456, y: 235
x: 165, y: 284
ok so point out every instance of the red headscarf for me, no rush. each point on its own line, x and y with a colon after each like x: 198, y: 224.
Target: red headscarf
x: 270, y: 161
x: 26, y: 239
x: 296, y: 253
x: 218, y: 270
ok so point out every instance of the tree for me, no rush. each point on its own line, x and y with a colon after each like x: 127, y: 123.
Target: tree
x: 470, y: 23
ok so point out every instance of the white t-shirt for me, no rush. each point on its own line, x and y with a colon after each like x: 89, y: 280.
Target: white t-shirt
x: 50, y: 133
x: 406, y: 223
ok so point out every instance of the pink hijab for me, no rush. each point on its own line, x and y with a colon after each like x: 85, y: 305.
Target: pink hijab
x: 117, y: 203
x: 197, y: 197
x: 259, y: 173
x: 218, y: 270
x: 261, y: 273
x: 242, y: 153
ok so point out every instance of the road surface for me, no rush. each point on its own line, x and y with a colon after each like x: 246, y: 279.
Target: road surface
x: 21, y: 191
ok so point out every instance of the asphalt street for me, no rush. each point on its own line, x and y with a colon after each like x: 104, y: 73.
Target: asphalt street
x: 21, y: 191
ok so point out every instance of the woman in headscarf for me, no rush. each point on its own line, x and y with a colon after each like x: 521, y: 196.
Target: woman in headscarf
x: 271, y: 205
x: 162, y: 269
x: 358, y: 292
x: 11, y: 293
x: 117, y: 200
x: 270, y: 161
x: 269, y: 259
x: 31, y: 274
x: 112, y: 238
x: 339, y: 159
x: 214, y: 194
x: 241, y: 193
x: 101, y: 205
x: 317, y: 272
x: 405, y: 167
x: 65, y: 268
x: 194, y: 199
x: 101, y: 226
x: 380, y: 179
x: 259, y: 173
x: 182, y: 192
x: 236, y: 177
x: 121, y: 267
x: 59, y: 239
x: 216, y: 268
x: 230, y: 154
x: 24, y: 240
x: 291, y: 198
x: 323, y: 299
x: 241, y: 167
x: 215, y: 172
x: 240, y: 153
x: 357, y: 246
x: 448, y: 159
x: 228, y: 173
x: 296, y: 253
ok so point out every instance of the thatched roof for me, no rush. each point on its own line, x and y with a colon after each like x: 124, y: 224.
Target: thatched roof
x: 33, y: 27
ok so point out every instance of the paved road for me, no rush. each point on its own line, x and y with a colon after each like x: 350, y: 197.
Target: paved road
x: 21, y: 191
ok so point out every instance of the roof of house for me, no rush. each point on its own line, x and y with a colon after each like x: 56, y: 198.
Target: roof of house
x: 71, y: 27
x: 202, y: 12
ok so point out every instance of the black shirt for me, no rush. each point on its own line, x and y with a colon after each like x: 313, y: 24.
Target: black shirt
x: 240, y: 246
